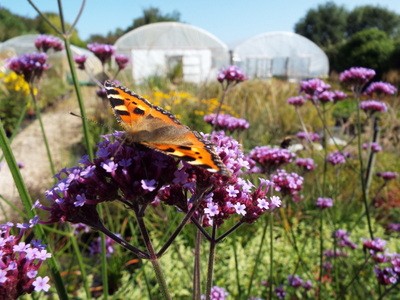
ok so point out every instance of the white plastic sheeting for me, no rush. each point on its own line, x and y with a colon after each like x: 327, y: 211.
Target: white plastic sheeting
x: 156, y: 48
x: 282, y: 54
x: 26, y: 44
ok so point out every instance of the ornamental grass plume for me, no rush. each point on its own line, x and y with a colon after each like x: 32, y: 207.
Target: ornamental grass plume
x: 20, y: 262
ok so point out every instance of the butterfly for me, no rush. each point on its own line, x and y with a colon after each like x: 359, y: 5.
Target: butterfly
x: 152, y: 126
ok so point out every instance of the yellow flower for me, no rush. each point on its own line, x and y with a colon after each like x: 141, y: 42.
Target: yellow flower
x: 15, y: 83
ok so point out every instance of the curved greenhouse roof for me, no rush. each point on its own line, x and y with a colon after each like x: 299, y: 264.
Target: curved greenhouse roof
x: 283, y: 54
x: 158, y: 47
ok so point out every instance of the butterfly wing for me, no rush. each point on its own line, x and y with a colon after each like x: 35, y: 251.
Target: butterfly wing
x: 158, y: 129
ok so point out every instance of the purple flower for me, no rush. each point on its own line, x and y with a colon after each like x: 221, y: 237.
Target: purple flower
x: 343, y: 239
x: 30, y: 66
x: 226, y: 122
x: 326, y: 97
x: 280, y: 292
x: 357, y: 76
x: 307, y: 164
x: 218, y: 293
x: 231, y: 74
x: 386, y: 276
x: 313, y: 87
x: 95, y: 246
x: 309, y: 136
x: 335, y: 253
x: 102, y: 51
x: 375, y: 245
x: 375, y: 147
x: 270, y: 158
x: 295, y: 281
x: 323, y: 203
x: 121, y: 60
x: 296, y: 101
x: 372, y: 106
x: 387, y: 175
x: 339, y: 96
x: 102, y: 93
x: 394, y: 227
x: 46, y: 42
x: 80, y: 60
x: 287, y: 183
x: 337, y: 157
x: 20, y: 263
x: 380, y: 89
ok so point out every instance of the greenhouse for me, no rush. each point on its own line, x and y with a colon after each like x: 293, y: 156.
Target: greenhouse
x: 168, y: 47
x: 281, y: 54
x: 26, y: 44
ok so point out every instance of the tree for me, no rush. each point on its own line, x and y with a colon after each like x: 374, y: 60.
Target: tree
x: 154, y: 15
x: 370, y: 48
x: 12, y: 25
x: 325, y: 25
x: 365, y: 17
x: 43, y: 27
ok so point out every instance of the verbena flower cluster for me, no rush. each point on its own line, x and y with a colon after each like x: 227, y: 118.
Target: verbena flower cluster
x: 388, y: 175
x: 80, y: 61
x: 374, y: 147
x: 380, y: 89
x: 337, y: 157
x: 46, y: 42
x: 104, y: 52
x: 20, y: 263
x: 226, y: 122
x: 135, y: 175
x: 307, y: 164
x: 231, y: 74
x: 324, y: 202
x: 296, y: 281
x: 217, y: 293
x: 121, y: 60
x: 372, y: 106
x: 357, y: 76
x: 317, y: 91
x: 308, y: 136
x: 296, y: 101
x: 268, y: 158
x: 30, y: 66
x: 288, y: 183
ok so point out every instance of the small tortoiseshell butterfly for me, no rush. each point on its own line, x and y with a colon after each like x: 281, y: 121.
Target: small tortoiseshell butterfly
x: 158, y: 129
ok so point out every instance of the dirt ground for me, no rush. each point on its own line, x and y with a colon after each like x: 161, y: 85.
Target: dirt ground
x: 63, y: 131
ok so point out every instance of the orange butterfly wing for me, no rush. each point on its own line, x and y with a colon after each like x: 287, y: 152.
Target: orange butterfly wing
x: 158, y: 129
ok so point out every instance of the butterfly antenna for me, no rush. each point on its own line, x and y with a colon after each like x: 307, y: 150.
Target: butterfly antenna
x: 92, y: 121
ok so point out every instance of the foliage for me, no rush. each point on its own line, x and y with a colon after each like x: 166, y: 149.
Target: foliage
x: 324, y: 25
x: 150, y: 15
x: 370, y: 48
x: 12, y: 25
x: 368, y: 17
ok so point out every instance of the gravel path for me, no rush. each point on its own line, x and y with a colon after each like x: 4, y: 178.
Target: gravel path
x: 63, y: 132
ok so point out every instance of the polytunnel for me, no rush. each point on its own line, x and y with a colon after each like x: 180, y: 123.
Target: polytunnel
x: 281, y: 54
x: 26, y: 44
x: 158, y: 48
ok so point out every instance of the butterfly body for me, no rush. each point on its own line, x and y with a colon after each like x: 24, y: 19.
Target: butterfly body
x: 158, y: 129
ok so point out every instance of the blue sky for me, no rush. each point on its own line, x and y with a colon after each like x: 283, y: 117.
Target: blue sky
x: 230, y: 20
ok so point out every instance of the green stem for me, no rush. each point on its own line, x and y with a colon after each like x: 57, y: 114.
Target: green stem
x: 257, y: 258
x: 371, y: 159
x: 237, y: 273
x: 211, y: 262
x: 196, y: 271
x: 153, y: 258
x: 39, y: 117
x: 80, y: 263
x: 321, y: 254
x: 221, y: 101
x: 271, y: 254
x: 362, y: 178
